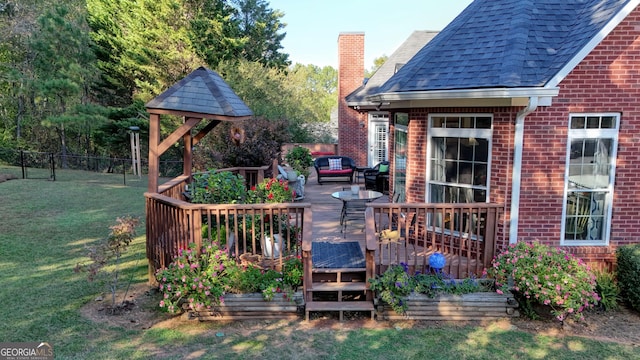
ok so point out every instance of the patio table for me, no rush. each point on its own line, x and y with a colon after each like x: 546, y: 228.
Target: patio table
x: 354, y: 204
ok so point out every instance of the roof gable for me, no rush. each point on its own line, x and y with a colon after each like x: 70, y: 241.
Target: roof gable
x: 203, y: 92
x: 396, y: 60
x: 505, y: 44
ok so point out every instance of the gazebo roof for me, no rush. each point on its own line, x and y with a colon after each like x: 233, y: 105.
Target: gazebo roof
x: 201, y: 92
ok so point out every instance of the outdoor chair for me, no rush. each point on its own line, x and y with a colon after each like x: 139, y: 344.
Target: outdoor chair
x: 351, y: 211
x: 377, y: 177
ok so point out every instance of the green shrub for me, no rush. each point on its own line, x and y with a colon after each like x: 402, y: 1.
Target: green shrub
x: 628, y: 259
x: 221, y: 187
x: 542, y: 275
x: 395, y: 284
x: 300, y: 160
x: 607, y: 289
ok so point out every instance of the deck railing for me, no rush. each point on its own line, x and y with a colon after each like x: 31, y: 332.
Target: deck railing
x: 468, y: 235
x: 245, y: 230
x: 175, y: 187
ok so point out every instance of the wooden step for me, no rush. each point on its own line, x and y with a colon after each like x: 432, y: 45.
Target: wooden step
x: 338, y: 286
x: 340, y: 306
x: 339, y: 275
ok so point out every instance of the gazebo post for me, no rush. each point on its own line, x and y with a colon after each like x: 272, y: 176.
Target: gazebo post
x: 154, y: 161
x: 187, y: 157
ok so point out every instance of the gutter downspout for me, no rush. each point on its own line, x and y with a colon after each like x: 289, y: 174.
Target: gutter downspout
x: 517, y: 168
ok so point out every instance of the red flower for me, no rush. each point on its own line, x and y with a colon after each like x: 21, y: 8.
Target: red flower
x: 270, y: 196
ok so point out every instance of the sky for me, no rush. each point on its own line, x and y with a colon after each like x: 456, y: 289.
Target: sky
x: 313, y: 26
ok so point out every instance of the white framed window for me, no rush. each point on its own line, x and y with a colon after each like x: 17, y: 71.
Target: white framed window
x: 459, y: 161
x: 589, y: 177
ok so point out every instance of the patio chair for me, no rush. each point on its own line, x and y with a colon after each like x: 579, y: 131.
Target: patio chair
x: 377, y: 177
x: 351, y: 210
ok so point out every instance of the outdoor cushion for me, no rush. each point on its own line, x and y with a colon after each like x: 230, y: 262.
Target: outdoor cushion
x: 336, y: 172
x: 383, y: 168
x: 335, y: 164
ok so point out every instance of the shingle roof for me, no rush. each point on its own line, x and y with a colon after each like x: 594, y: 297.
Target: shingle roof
x: 203, y: 92
x: 504, y: 44
x: 400, y: 56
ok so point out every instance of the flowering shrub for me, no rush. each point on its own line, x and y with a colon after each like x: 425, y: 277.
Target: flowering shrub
x: 544, y: 275
x: 271, y: 191
x: 199, y: 279
x: 395, y: 284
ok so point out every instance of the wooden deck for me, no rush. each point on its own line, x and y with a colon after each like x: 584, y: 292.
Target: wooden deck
x: 468, y: 235
x: 326, y: 227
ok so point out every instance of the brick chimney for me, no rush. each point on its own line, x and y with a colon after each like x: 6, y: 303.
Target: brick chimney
x: 352, y: 139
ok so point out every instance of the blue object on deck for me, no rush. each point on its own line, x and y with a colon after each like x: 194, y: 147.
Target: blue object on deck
x: 437, y: 261
x: 337, y: 255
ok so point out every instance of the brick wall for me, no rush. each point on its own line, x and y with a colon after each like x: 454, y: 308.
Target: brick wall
x: 352, y: 125
x: 607, y: 80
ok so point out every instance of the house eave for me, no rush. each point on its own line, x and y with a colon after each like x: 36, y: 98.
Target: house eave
x: 460, y: 98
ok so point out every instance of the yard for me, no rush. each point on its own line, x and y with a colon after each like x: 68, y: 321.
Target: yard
x: 46, y: 226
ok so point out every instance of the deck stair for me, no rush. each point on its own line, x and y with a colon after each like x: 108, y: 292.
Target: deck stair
x: 339, y: 290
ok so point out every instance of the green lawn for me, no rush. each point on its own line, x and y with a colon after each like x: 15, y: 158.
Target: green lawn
x: 46, y: 225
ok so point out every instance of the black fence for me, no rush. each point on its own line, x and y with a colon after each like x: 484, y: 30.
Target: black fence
x: 43, y: 165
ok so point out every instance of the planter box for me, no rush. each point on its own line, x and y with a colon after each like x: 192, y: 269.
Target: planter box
x: 473, y: 306
x: 251, y: 307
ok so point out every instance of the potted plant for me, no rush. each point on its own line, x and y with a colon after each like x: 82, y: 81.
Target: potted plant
x: 299, y: 158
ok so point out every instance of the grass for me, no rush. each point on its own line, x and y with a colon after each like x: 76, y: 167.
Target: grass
x: 46, y: 225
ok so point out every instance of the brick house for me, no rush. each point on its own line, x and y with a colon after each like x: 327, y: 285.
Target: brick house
x: 529, y: 104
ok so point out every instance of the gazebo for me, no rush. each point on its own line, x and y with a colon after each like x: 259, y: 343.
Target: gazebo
x: 201, y: 95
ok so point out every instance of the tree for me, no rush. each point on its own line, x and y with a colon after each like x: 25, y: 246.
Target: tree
x: 377, y: 62
x: 260, y: 30
x: 143, y: 47
x: 64, y: 68
x: 214, y: 31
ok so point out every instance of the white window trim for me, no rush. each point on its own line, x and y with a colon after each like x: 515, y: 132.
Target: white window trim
x: 591, y: 133
x: 459, y: 132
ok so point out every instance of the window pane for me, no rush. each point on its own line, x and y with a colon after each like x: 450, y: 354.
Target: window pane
x: 437, y: 122
x: 466, y: 150
x: 452, y: 122
x: 467, y: 122
x: 481, y: 150
x: 585, y: 216
x: 480, y: 174
x: 593, y: 122
x: 451, y: 147
x: 590, y: 163
x: 608, y: 122
x: 436, y: 193
x: 483, y: 122
x: 402, y: 119
x: 577, y: 122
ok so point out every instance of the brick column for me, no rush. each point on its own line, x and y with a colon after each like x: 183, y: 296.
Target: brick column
x: 352, y: 138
